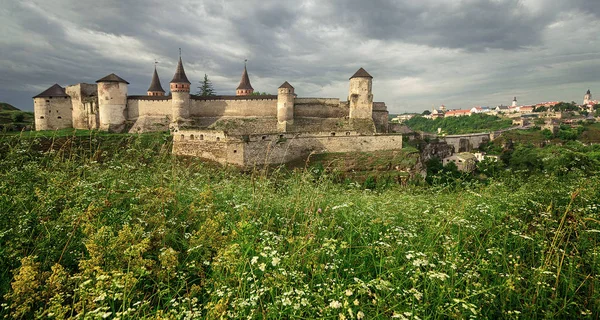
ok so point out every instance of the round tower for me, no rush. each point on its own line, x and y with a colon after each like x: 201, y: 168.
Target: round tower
x: 112, y: 103
x: 155, y: 86
x: 245, y: 88
x: 360, y: 96
x: 587, y: 98
x: 514, y: 102
x: 285, y: 106
x: 180, y: 94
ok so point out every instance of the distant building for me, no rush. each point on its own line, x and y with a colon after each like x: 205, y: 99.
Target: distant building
x: 464, y: 161
x: 458, y: 113
x: 587, y: 97
x: 514, y: 102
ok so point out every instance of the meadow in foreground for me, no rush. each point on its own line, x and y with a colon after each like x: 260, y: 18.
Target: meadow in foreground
x: 116, y: 227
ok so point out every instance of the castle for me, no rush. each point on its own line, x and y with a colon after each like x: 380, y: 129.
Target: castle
x: 244, y: 129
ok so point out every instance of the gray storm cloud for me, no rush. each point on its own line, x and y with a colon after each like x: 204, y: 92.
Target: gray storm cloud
x: 421, y: 53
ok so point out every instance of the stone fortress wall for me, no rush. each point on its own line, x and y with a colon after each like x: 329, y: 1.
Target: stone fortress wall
x: 268, y: 149
x: 243, y: 130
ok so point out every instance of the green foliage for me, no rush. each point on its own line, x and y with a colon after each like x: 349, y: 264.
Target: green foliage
x: 460, y: 125
x: 106, y: 226
x: 565, y: 106
x: 206, y: 88
x: 18, y: 117
x: 426, y: 112
x: 258, y: 93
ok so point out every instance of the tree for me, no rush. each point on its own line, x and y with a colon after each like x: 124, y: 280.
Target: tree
x: 258, y: 93
x: 206, y: 89
x: 426, y: 112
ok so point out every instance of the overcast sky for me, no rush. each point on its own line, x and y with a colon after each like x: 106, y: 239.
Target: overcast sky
x: 460, y: 53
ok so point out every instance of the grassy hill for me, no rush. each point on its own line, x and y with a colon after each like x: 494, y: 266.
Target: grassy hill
x: 115, y: 226
x: 8, y: 107
x: 13, y: 119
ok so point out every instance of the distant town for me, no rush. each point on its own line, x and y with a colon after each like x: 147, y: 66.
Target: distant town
x: 562, y: 112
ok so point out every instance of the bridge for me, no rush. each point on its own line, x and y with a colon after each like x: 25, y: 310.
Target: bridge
x: 471, y: 141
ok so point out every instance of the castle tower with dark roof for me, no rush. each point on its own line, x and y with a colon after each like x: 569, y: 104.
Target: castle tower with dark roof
x: 360, y: 96
x: 245, y: 88
x: 514, y: 102
x: 155, y: 86
x: 52, y: 109
x: 180, y: 94
x: 112, y: 103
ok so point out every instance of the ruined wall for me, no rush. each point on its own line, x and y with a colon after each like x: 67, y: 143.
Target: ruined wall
x: 257, y: 150
x: 52, y: 113
x: 320, y: 108
x: 232, y: 106
x: 380, y: 117
x: 84, y: 105
x: 138, y: 106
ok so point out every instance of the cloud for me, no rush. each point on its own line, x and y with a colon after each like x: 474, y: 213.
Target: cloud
x: 421, y: 53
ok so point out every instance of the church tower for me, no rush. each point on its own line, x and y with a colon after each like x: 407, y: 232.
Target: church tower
x: 587, y: 98
x: 180, y: 94
x: 514, y: 103
x: 155, y: 86
x: 245, y: 88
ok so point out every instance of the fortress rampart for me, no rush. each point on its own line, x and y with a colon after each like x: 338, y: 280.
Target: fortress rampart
x: 244, y: 129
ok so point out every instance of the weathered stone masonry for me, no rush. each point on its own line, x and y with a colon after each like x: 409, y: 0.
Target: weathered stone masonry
x: 243, y: 130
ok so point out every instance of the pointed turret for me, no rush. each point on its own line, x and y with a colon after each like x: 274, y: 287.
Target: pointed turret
x: 180, y: 76
x: 245, y: 88
x: 180, y: 95
x: 588, y: 92
x: 155, y: 86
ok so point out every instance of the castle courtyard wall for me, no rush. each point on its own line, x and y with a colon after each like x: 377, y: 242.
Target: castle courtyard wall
x: 243, y: 106
x: 154, y: 106
x: 320, y: 108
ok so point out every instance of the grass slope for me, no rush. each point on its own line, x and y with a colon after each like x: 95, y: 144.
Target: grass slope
x: 115, y: 226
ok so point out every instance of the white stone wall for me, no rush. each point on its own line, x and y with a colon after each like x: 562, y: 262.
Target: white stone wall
x: 53, y: 113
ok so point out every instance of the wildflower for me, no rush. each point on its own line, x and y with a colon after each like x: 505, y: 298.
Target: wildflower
x: 335, y: 304
x: 356, y: 302
x: 275, y: 261
x: 254, y: 260
x: 349, y: 292
x: 360, y: 315
x: 262, y: 267
x: 342, y: 316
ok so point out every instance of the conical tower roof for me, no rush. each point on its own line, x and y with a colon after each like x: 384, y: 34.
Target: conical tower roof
x: 286, y: 85
x: 515, y: 99
x: 361, y: 73
x: 155, y: 84
x: 112, y: 78
x: 245, y: 82
x: 53, y: 91
x: 588, y: 92
x: 180, y: 76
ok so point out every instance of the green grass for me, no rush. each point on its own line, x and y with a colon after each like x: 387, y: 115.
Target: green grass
x: 106, y: 225
x: 459, y: 125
